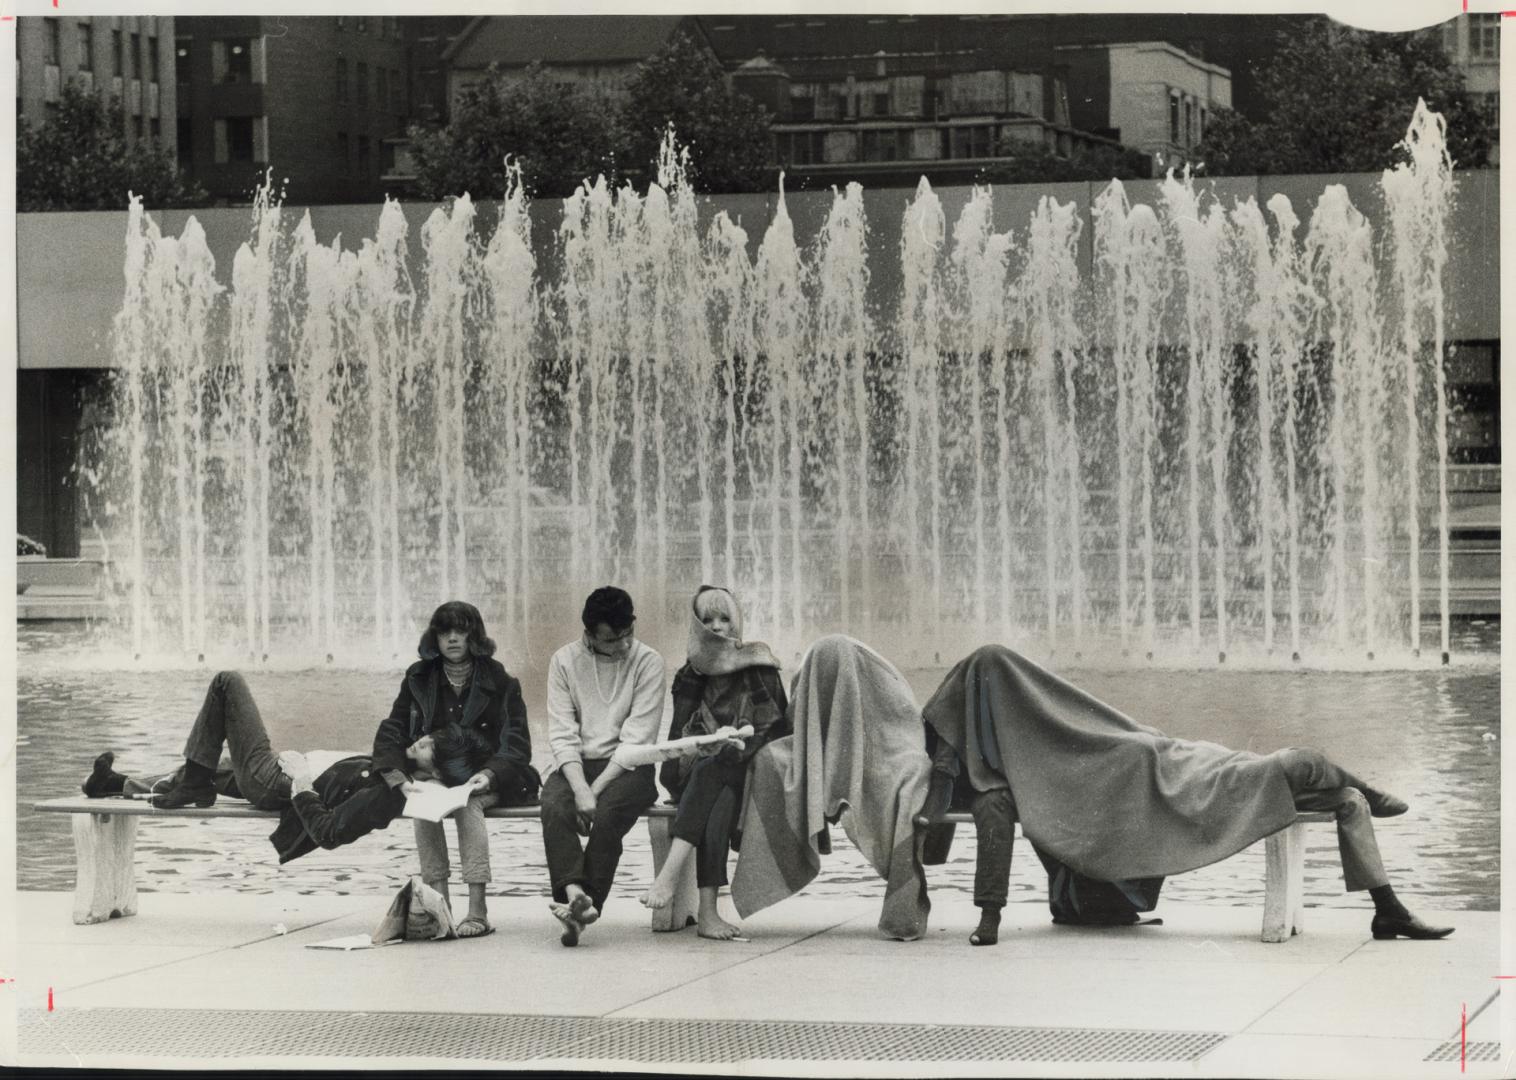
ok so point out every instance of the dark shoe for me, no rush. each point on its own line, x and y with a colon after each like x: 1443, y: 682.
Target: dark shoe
x: 1389, y: 927
x: 104, y: 780
x: 1383, y: 804
x: 184, y: 794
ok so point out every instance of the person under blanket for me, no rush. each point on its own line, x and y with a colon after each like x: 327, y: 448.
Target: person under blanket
x: 723, y: 683
x: 1116, y: 800
x: 855, y: 757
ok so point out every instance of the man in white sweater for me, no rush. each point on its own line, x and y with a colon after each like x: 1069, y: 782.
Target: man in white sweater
x: 603, y: 690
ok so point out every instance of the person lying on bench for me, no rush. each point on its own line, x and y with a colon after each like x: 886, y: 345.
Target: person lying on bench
x: 1117, y: 801
x: 328, y: 798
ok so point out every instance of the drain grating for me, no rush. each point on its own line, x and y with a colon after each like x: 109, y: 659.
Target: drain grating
x: 1457, y: 1051
x: 220, y: 1033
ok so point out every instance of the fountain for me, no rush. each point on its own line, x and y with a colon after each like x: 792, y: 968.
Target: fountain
x: 1227, y: 441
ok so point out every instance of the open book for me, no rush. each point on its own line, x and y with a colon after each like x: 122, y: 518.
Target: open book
x: 433, y: 802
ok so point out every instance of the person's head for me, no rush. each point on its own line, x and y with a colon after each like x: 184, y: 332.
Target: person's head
x: 608, y: 619
x: 455, y: 633
x: 423, y: 753
x: 717, y: 611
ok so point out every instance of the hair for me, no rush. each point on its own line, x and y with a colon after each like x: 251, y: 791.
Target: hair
x: 716, y: 594
x: 456, y: 615
x: 608, y: 605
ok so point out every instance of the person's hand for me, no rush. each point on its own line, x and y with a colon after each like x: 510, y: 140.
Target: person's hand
x: 584, y: 805
x: 410, y: 787
x: 481, y: 780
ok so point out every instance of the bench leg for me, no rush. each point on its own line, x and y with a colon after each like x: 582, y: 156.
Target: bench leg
x: 106, y: 883
x: 1284, y: 884
x: 681, y: 912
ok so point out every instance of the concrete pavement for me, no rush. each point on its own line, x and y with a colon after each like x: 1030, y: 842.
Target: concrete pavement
x: 225, y: 979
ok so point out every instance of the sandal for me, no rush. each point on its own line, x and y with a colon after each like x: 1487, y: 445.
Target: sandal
x: 473, y: 927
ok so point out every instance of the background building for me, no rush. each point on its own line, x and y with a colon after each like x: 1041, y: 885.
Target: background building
x: 121, y: 57
x: 1472, y: 42
x: 314, y: 96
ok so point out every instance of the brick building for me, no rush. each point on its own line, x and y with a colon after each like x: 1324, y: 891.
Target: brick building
x: 121, y: 57
x: 314, y: 97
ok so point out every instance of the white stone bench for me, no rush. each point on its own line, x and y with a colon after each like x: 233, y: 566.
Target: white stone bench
x: 105, y: 842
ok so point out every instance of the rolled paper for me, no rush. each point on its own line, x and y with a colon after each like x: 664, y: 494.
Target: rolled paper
x: 631, y: 755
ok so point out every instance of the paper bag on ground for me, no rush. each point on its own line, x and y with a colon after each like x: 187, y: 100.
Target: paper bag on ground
x: 416, y: 898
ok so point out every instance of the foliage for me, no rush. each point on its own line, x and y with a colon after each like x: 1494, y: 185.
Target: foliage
x: 727, y: 132
x: 1025, y: 164
x: 561, y: 132
x: 80, y: 160
x: 1338, y: 99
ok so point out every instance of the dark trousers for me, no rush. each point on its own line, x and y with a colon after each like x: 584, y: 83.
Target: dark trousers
x: 1319, y: 784
x: 995, y: 826
x: 591, y: 864
x: 229, y: 718
x: 707, y: 815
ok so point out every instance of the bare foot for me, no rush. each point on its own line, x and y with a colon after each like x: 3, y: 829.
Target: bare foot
x: 659, y: 895
x: 571, y: 925
x: 718, y: 929
x: 583, y: 908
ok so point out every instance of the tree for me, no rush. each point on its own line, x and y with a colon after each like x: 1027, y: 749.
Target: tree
x: 727, y: 132
x: 1339, y: 99
x: 80, y: 160
x: 561, y: 132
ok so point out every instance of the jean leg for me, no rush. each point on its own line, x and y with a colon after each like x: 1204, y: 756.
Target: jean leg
x: 560, y: 836
x: 474, y: 838
x: 431, y: 848
x: 619, y: 805
x: 715, y: 845
x: 230, y: 715
x: 995, y: 823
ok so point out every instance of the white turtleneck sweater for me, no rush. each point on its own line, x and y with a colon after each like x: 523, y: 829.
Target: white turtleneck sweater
x: 594, y: 705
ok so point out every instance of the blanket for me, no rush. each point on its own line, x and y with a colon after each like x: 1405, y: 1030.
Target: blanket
x: 857, y: 755
x: 1105, y: 795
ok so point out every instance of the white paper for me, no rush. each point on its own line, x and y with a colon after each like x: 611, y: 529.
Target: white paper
x: 433, y: 802
x: 346, y: 944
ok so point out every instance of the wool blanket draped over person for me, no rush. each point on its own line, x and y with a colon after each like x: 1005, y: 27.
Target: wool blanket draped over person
x: 1105, y: 795
x: 856, y: 756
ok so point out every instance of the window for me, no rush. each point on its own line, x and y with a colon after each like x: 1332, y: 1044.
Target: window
x: 882, y: 103
x: 155, y: 131
x: 1173, y: 117
x: 239, y: 138
x: 116, y: 53
x: 239, y: 60
x: 1200, y: 125
x: 1484, y: 37
x: 341, y: 79
x: 152, y: 59
x: 182, y: 61
x: 397, y: 102
x: 86, y: 47
x: 52, y: 43
x: 803, y: 108
x: 381, y: 87
x: 1492, y: 109
x: 879, y: 146
x: 841, y: 107
x: 1189, y: 122
x: 362, y: 80
x: 137, y: 128
x: 134, y: 58
x: 185, y: 149
x: 342, y: 150
x: 363, y: 165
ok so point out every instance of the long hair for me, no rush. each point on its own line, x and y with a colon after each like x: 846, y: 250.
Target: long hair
x: 461, y: 616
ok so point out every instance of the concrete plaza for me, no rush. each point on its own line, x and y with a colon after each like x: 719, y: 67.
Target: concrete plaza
x: 226, y: 980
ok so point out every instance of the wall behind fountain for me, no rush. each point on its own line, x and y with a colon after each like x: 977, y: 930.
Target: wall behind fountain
x: 70, y: 279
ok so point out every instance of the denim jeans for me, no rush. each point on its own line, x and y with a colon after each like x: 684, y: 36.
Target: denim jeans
x: 229, y: 718
x: 591, y: 863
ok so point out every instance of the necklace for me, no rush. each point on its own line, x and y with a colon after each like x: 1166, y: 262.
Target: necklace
x: 458, y: 674
x: 615, y: 681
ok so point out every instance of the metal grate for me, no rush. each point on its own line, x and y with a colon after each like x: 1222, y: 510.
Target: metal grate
x: 1457, y: 1051
x: 223, y: 1033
